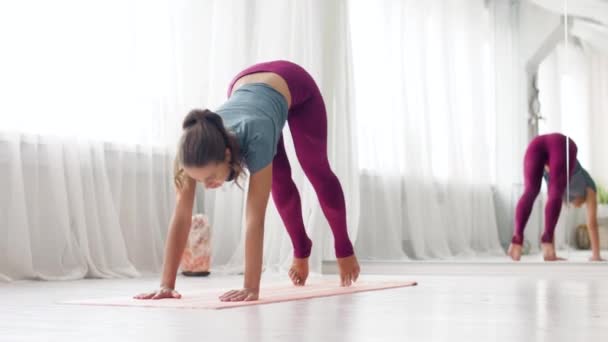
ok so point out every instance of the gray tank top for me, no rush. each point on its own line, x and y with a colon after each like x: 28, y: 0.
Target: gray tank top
x: 256, y: 113
x: 579, y: 182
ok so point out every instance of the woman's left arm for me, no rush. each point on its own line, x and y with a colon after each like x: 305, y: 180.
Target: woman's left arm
x: 260, y: 184
x: 592, y: 226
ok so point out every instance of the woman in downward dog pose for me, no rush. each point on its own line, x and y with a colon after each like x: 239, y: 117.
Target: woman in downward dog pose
x: 546, y: 157
x: 245, y: 133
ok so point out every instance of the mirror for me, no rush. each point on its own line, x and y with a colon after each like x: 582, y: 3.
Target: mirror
x: 569, y: 96
x: 540, y: 213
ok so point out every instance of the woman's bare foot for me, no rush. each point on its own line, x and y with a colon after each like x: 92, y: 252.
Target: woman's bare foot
x: 549, y: 253
x: 349, y: 270
x: 299, y: 271
x: 515, y: 251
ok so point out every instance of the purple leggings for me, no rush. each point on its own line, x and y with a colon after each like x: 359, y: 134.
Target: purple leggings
x: 544, y: 150
x: 307, y: 121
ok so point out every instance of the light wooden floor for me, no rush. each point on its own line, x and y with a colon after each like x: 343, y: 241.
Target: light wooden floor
x: 550, y: 304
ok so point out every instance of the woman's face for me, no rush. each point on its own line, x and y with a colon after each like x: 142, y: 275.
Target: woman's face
x: 211, y: 176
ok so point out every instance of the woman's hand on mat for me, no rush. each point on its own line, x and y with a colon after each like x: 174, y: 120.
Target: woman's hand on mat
x: 243, y: 295
x: 349, y: 270
x: 163, y: 292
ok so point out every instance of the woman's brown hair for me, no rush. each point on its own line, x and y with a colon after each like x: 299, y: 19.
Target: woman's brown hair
x: 204, y: 141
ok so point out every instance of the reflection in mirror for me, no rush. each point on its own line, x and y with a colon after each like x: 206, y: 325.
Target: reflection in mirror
x: 442, y: 143
x: 572, y: 84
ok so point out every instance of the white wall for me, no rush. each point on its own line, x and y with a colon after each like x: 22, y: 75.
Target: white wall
x: 535, y: 25
x: 598, y: 166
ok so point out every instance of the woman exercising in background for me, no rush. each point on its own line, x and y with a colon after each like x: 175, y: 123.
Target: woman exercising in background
x: 546, y: 156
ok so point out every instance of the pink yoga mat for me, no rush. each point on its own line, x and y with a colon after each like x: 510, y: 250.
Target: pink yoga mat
x: 208, y: 299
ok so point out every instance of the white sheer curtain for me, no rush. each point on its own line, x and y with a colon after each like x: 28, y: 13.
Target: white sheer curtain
x: 426, y: 126
x: 91, y: 99
x: 93, y: 93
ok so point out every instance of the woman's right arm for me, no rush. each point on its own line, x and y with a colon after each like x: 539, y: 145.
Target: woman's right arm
x: 177, y: 238
x: 592, y: 225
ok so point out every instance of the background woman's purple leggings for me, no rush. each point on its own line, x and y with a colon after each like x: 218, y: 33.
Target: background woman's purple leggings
x: 544, y: 150
x: 307, y: 121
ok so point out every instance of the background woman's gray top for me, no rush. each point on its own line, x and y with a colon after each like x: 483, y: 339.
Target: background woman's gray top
x: 579, y: 182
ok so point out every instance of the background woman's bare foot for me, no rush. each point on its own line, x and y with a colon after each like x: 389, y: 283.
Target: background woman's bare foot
x: 299, y: 271
x: 349, y: 270
x: 515, y: 251
x: 549, y: 253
